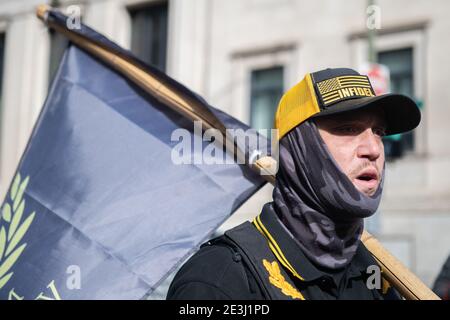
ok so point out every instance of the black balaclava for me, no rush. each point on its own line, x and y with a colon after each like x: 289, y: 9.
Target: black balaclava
x: 317, y: 202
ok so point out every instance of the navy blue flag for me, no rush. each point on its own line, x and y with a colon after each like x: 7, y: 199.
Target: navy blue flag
x: 97, y: 208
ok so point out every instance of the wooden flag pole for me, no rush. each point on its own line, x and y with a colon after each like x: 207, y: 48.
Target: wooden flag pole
x: 392, y: 270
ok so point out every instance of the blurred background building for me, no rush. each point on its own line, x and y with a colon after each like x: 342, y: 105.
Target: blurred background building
x: 241, y: 56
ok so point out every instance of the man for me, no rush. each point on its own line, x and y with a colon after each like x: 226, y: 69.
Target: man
x: 306, y: 243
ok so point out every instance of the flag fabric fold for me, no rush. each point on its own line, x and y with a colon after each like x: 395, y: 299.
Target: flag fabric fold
x: 98, y: 209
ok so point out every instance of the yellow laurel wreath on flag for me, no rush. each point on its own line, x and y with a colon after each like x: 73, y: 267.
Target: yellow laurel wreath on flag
x: 12, y: 228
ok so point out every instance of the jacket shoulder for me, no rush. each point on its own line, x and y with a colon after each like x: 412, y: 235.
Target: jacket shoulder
x: 216, y: 271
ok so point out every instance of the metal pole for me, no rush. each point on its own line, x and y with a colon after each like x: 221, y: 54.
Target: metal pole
x: 372, y: 57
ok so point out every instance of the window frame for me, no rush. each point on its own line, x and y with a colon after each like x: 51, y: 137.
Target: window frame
x: 252, y: 90
x: 243, y: 62
x: 145, y: 5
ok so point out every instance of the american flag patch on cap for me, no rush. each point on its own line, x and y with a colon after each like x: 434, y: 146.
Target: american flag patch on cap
x: 344, y: 87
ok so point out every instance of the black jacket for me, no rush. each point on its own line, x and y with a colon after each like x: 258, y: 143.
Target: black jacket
x: 240, y: 265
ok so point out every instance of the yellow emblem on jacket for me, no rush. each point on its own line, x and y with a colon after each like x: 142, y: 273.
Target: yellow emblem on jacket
x: 277, y: 279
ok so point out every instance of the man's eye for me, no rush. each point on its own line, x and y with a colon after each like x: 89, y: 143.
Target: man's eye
x: 379, y: 131
x: 347, y: 129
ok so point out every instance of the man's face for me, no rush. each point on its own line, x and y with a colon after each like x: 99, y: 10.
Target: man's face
x: 354, y: 140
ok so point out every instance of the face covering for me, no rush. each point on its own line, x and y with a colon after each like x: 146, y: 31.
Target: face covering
x: 317, y: 202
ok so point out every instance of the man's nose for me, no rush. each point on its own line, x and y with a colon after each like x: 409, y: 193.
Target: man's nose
x: 370, y: 145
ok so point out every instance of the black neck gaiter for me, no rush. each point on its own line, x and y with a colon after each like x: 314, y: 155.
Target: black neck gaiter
x: 317, y: 202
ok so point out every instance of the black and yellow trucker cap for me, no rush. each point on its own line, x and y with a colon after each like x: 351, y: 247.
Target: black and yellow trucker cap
x: 332, y: 91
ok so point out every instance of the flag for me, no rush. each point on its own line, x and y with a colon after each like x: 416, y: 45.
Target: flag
x: 97, y: 208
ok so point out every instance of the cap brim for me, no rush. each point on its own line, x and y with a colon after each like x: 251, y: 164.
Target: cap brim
x: 401, y: 112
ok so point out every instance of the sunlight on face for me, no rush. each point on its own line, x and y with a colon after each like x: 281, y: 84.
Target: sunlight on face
x: 354, y: 139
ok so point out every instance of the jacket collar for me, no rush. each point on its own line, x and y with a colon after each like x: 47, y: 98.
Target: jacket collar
x: 291, y: 256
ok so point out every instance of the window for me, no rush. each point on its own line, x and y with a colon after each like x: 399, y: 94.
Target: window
x: 266, y: 91
x: 400, y: 64
x: 149, y: 34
